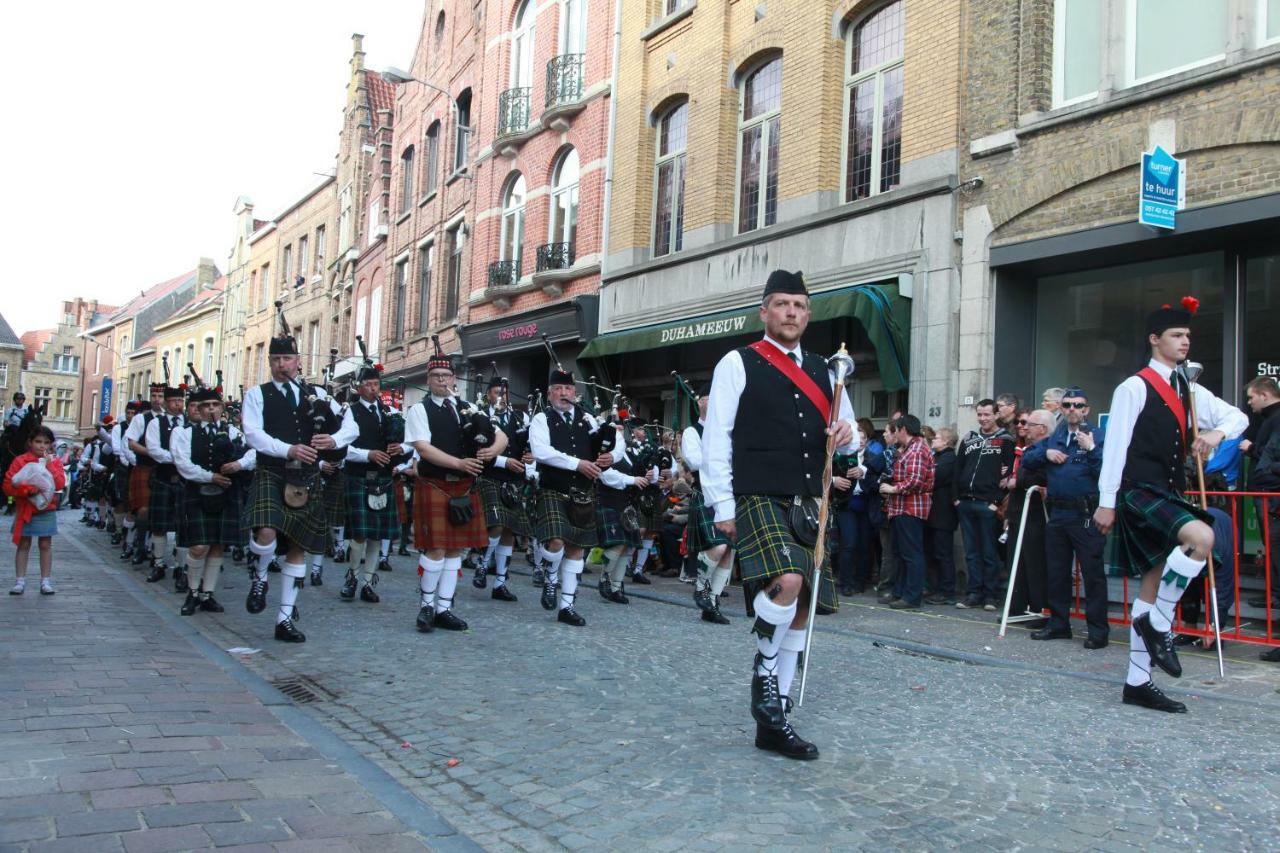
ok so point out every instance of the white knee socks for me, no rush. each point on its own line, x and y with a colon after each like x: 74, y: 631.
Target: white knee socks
x: 339, y: 536
x: 788, y: 654
x: 551, y: 564
x: 779, y: 617
x: 1139, y: 659
x: 448, y: 583
x: 368, y: 560
x: 170, y: 549
x: 570, y: 569
x: 384, y: 550
x: 263, y: 553
x: 719, y: 578
x: 289, y: 586
x: 642, y: 555
x: 207, y: 574
x: 501, y: 557
x: 1179, y: 569
x: 491, y: 549
x: 618, y: 565
x: 429, y: 572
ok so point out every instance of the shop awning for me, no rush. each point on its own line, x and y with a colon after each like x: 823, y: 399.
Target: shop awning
x: 883, y: 312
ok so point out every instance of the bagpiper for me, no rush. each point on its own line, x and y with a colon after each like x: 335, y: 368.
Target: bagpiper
x: 140, y: 477
x: 710, y: 546
x: 757, y: 470
x: 1159, y: 536
x: 125, y: 460
x: 211, y: 455
x: 504, y: 490
x: 164, y: 506
x: 290, y: 423
x: 567, y: 444
x: 370, y: 507
x: 619, y: 523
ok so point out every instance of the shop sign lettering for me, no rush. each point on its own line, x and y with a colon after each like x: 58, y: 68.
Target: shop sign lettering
x: 1266, y: 368
x: 528, y: 330
x: 708, y: 328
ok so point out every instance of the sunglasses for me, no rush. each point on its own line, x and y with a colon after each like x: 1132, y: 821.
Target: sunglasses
x: 1022, y: 423
x: 1074, y: 405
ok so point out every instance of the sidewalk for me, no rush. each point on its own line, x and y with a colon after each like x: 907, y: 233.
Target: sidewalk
x: 120, y: 729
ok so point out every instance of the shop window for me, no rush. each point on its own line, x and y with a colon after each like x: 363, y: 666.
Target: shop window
x: 873, y: 103
x: 759, y: 126
x: 1262, y: 317
x: 1165, y: 37
x: 1090, y: 326
x: 668, y: 214
x: 1077, y: 50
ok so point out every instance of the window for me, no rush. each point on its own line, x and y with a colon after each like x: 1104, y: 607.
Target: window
x: 286, y: 277
x: 440, y: 29
x: 65, y: 362
x: 431, y: 164
x: 463, y: 131
x: 873, y: 104
x: 304, y: 260
x: 564, y: 200
x: 1269, y: 21
x: 522, y: 41
x: 426, y: 257
x: 97, y: 359
x: 375, y: 320
x: 124, y: 343
x: 260, y: 363
x: 1077, y: 50
x: 62, y: 404
x: 93, y: 405
x: 346, y: 221
x: 313, y: 336
x: 401, y: 273
x: 573, y: 27
x: 43, y: 399
x: 264, y: 281
x: 511, y: 247
x: 453, y: 283
x: 758, y: 130
x: 668, y: 217
x: 406, y: 180
x: 191, y: 357
x: 1168, y: 36
x: 670, y: 7
x: 206, y: 370
x: 375, y: 214
x: 320, y: 235
x: 4, y: 374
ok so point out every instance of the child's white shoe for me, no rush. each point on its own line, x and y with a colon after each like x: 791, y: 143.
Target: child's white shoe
x: 46, y: 586
x: 19, y: 587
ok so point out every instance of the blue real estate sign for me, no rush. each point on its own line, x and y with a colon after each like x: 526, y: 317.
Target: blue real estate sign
x: 1163, y: 188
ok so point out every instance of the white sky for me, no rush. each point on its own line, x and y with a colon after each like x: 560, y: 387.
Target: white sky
x: 134, y: 126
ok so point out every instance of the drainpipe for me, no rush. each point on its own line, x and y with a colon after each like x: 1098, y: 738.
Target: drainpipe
x: 613, y: 127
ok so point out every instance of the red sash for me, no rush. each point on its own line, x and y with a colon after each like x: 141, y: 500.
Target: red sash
x: 788, y: 368
x: 1170, y: 397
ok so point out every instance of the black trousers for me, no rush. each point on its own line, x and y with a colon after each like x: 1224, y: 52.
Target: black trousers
x: 1066, y: 539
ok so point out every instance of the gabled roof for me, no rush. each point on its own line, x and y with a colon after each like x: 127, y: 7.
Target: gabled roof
x: 381, y: 96
x: 7, y: 337
x: 33, y: 342
x: 200, y: 301
x: 136, y: 304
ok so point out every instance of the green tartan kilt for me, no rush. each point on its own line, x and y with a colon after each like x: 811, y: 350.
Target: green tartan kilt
x: 164, y: 506
x: 498, y: 514
x: 204, y: 528
x: 334, y: 499
x: 363, y: 522
x: 306, y: 527
x: 552, y: 521
x: 768, y: 549
x: 702, y: 526
x: 609, y: 529
x: 1146, y: 530
x: 653, y: 523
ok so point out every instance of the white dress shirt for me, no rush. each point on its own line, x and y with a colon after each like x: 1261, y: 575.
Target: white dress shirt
x: 543, y: 452
x: 180, y: 445
x: 727, y: 384
x: 154, y: 450
x: 136, y: 432
x: 121, y: 446
x: 263, y: 442
x: 361, y: 454
x: 691, y: 447
x: 1126, y: 404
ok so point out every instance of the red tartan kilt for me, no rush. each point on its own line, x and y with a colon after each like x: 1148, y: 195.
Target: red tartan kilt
x: 140, y: 487
x: 402, y: 508
x: 431, y: 525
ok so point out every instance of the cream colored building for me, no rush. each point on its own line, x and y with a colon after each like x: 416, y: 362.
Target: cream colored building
x: 191, y: 337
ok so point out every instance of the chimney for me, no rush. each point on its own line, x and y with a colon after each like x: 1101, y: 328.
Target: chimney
x: 357, y: 53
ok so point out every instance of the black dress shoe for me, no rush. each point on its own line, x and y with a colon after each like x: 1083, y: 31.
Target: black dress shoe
x: 766, y: 701
x: 548, y: 599
x: 180, y: 580
x: 317, y: 578
x: 846, y: 590
x: 287, y: 632
x: 538, y: 577
x: 1093, y: 644
x: 367, y: 594
x: 256, y: 600
x: 605, y: 587
x: 1159, y: 645
x: 273, y: 567
x: 384, y: 565
x: 340, y: 555
x: 115, y: 538
x: 639, y: 577
x: 619, y: 596
x: 569, y: 616
x: 402, y: 551
x: 1149, y: 696
x: 1271, y: 655
x: 348, y: 592
x: 139, y: 558
x: 237, y: 555
x: 426, y: 620
x: 784, y: 741
x: 501, y: 593
x: 447, y: 621
x: 702, y: 598
x: 210, y: 605
x: 714, y: 616
x: 189, y: 606
x: 1051, y: 634
x: 480, y: 578
x: 157, y: 574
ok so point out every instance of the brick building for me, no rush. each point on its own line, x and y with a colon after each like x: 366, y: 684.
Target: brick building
x: 52, y: 374
x: 233, y: 325
x: 1061, y: 103
x: 818, y: 136
x: 97, y: 393
x: 12, y: 357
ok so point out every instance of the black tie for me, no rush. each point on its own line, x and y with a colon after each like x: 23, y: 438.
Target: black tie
x: 288, y: 395
x: 448, y: 404
x: 794, y: 358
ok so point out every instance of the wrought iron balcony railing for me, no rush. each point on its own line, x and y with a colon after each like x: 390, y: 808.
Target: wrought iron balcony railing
x: 504, y: 273
x: 555, y: 256
x: 564, y: 79
x: 513, y: 111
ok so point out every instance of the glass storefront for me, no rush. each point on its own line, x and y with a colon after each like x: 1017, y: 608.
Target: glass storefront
x: 1262, y: 317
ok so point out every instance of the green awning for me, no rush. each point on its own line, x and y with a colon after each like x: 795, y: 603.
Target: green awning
x: 883, y: 313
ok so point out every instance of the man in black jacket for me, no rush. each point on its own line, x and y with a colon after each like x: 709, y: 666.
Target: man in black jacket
x: 940, y: 528
x: 984, y: 459
x: 1262, y: 444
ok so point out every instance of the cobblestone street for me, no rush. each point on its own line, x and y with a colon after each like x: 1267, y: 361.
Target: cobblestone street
x: 634, y: 731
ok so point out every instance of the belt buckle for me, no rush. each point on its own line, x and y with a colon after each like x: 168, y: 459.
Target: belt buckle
x: 452, y: 478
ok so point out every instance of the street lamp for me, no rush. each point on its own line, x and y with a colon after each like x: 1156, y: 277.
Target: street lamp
x: 398, y: 75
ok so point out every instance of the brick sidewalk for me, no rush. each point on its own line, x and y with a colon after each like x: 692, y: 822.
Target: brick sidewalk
x: 117, y: 732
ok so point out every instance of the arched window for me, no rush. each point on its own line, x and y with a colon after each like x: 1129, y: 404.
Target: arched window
x: 406, y: 179
x: 873, y: 103
x: 431, y: 163
x: 668, y: 213
x: 564, y: 203
x: 206, y: 371
x: 440, y: 29
x: 573, y: 26
x: 511, y: 247
x: 759, y: 128
x: 522, y: 41
x: 463, y: 130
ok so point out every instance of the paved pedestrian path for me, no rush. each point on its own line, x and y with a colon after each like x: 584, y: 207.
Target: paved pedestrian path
x: 122, y: 729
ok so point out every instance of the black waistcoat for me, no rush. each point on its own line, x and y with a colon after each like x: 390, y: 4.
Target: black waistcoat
x: 370, y: 437
x: 280, y: 421
x: 146, y: 422
x: 446, y: 434
x: 167, y: 469
x: 779, y: 438
x: 201, y: 447
x: 1157, y: 449
x: 509, y: 422
x: 574, y: 440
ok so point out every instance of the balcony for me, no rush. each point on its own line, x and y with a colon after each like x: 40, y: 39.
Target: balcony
x: 513, y: 112
x: 504, y: 273
x: 555, y: 256
x: 564, y: 90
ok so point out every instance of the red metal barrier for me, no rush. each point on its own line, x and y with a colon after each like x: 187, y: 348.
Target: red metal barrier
x: 1262, y: 629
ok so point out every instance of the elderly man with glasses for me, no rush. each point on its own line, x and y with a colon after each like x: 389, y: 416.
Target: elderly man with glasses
x: 1072, y: 459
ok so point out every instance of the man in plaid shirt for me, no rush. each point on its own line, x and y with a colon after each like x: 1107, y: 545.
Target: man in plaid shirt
x: 908, y: 497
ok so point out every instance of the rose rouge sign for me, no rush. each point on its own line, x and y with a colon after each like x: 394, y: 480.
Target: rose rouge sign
x: 528, y: 330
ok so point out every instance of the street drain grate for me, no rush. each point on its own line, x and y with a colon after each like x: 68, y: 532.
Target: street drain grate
x: 303, y: 690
